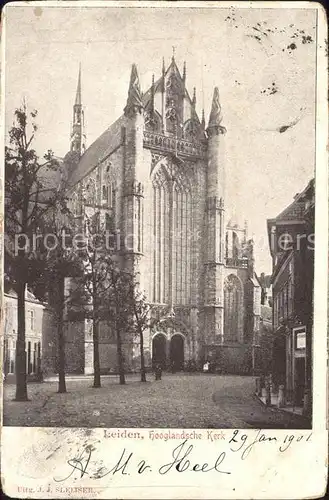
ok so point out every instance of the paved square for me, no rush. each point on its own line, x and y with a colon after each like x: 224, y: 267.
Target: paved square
x: 177, y: 401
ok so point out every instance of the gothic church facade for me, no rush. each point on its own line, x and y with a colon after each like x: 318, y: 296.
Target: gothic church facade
x: 157, y: 178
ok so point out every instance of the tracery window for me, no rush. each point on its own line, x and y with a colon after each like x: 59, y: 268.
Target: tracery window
x: 105, y: 195
x: 152, y: 121
x: 90, y: 192
x: 172, y: 233
x: 75, y: 204
x: 191, y: 130
x: 235, y: 246
x: 232, y: 307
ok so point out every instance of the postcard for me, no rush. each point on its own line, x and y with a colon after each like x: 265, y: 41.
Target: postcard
x: 165, y: 250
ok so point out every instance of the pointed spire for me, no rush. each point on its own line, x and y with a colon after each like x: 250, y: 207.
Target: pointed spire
x: 194, y: 97
x: 152, y: 94
x: 203, y: 121
x: 78, y: 93
x: 216, y: 116
x: 163, y: 75
x: 78, y: 138
x: 184, y: 72
x: 134, y: 93
x: 173, y: 54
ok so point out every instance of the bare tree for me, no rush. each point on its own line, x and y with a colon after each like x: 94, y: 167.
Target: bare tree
x: 60, y: 261
x: 92, y: 290
x: 142, y: 320
x: 29, y: 196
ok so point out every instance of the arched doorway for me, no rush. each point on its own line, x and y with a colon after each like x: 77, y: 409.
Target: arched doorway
x: 177, y: 352
x: 159, y: 344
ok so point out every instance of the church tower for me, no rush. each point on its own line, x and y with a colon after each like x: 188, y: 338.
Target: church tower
x: 78, y: 138
x: 133, y: 193
x: 214, y: 262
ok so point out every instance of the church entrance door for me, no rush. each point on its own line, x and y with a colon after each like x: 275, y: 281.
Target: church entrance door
x: 177, y: 352
x: 159, y: 344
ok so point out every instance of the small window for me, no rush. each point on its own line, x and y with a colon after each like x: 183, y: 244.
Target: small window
x: 105, y: 194
x: 32, y: 320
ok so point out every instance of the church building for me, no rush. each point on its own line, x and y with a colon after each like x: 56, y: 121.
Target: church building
x: 156, y: 176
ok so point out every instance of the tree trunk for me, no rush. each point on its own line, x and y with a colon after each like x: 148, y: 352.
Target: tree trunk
x: 141, y: 345
x: 60, y: 336
x: 120, y: 358
x: 21, y: 383
x: 97, y: 371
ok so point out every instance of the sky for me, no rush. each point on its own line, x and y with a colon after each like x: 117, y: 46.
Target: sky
x: 262, y: 60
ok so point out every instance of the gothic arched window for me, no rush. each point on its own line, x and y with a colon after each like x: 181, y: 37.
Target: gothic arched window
x: 191, y: 130
x: 172, y: 233
x: 75, y: 206
x: 152, y: 121
x: 235, y: 246
x: 90, y: 192
x: 105, y: 194
x: 232, y: 308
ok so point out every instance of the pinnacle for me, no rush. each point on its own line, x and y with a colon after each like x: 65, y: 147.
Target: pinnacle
x: 134, y: 92
x: 78, y: 101
x: 216, y: 116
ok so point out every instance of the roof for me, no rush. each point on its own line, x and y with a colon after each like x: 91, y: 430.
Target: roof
x: 97, y: 151
x: 111, y: 138
x: 295, y: 213
x: 296, y: 209
x: 29, y: 296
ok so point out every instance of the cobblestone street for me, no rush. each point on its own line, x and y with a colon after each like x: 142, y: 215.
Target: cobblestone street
x: 176, y: 401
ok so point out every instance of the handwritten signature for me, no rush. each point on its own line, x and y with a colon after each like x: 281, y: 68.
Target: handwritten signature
x: 180, y: 461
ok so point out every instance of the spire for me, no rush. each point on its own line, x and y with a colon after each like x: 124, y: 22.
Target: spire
x: 203, y: 121
x: 78, y: 138
x: 78, y: 93
x: 184, y: 72
x: 163, y: 75
x: 134, y: 93
x: 194, y: 97
x: 152, y: 94
x: 173, y: 54
x: 216, y: 116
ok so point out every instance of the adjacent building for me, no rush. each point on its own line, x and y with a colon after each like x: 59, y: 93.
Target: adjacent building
x: 34, y: 311
x: 291, y: 239
x: 266, y: 285
x: 156, y: 179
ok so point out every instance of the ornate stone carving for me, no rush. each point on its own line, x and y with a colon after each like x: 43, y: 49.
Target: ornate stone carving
x: 192, y: 130
x: 179, y: 147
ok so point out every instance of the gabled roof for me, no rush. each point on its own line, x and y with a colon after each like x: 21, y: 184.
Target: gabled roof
x: 29, y: 296
x: 97, y: 151
x: 158, y: 86
x: 293, y: 212
x: 111, y: 138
